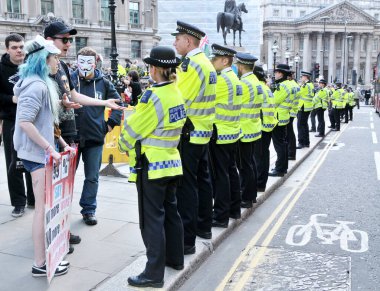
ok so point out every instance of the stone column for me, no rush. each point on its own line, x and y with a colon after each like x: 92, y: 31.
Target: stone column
x: 269, y: 53
x: 306, y: 52
x: 368, y: 69
x: 332, y: 63
x: 342, y: 59
x: 319, y: 50
x: 357, y: 54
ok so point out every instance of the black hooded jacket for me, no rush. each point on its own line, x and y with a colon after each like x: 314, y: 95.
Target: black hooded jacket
x: 8, y: 78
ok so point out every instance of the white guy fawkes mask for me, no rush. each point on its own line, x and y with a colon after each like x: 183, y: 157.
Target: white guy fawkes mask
x: 86, y: 65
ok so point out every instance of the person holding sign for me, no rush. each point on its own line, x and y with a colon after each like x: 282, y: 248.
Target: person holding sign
x: 36, y: 116
x: 151, y: 135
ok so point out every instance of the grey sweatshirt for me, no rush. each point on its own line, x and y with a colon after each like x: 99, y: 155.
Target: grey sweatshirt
x: 33, y: 106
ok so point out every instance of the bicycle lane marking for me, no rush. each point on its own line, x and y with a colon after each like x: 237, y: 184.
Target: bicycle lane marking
x: 271, y: 218
x: 264, y: 246
x: 328, y: 233
x: 377, y: 163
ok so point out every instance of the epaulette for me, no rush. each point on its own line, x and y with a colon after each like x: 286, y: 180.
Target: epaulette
x: 259, y: 89
x: 213, y: 78
x: 239, y: 90
x: 145, y: 97
x: 185, y: 64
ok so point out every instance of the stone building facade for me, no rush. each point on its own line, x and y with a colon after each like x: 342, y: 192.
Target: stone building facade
x: 342, y: 39
x: 136, y: 24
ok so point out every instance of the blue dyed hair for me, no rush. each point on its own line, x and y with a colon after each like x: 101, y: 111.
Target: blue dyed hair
x: 35, y: 63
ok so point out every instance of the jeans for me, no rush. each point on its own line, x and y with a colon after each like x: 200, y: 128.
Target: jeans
x: 92, y: 159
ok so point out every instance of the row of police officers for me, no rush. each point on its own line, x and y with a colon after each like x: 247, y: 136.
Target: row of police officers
x: 198, y: 144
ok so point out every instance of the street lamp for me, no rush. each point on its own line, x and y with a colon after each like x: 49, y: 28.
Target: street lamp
x: 274, y: 50
x: 113, y: 54
x: 324, y: 18
x: 287, y: 56
x: 297, y: 60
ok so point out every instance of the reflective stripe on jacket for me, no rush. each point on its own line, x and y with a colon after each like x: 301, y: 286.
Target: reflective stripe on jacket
x: 306, y: 96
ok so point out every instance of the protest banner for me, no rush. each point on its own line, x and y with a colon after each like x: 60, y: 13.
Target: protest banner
x: 59, y: 183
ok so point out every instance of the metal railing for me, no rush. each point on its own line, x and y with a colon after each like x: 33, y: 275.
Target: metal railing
x: 14, y: 15
x: 80, y: 21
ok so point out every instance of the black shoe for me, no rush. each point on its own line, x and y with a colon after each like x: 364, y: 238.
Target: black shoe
x: 275, y: 173
x: 175, y: 267
x: 204, y: 234
x: 18, y: 211
x: 235, y: 216
x: 319, y: 135
x: 41, y: 271
x: 300, y: 146
x: 334, y: 129
x: 74, y: 239
x: 142, y: 281
x: 246, y: 203
x: 71, y: 249
x: 330, y: 126
x: 189, y: 250
x: 89, y: 219
x: 216, y: 223
x: 312, y: 130
x: 291, y: 158
x: 260, y: 189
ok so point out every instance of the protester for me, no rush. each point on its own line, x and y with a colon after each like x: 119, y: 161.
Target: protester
x: 133, y: 84
x: 151, y: 135
x: 9, y: 64
x: 92, y: 127
x: 37, y: 112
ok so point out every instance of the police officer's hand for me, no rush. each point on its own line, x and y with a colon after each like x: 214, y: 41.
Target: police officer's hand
x: 69, y: 104
x: 113, y: 104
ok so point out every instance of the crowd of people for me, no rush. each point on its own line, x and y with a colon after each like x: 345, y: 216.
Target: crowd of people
x: 198, y: 140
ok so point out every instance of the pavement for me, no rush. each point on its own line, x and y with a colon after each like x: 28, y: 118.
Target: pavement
x: 112, y: 250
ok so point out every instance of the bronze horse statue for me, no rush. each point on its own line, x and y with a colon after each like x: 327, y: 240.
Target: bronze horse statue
x: 227, y: 21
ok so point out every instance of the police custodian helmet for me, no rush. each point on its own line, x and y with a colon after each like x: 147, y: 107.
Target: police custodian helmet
x: 162, y: 56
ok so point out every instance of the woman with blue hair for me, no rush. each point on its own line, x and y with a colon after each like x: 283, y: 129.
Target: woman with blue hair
x: 37, y: 113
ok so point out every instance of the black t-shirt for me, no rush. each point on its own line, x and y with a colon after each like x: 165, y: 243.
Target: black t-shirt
x: 66, y: 116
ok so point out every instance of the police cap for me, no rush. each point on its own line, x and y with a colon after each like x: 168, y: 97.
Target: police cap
x: 183, y: 27
x: 283, y: 68
x: 323, y: 81
x: 162, y: 56
x: 305, y: 73
x: 245, y: 58
x: 218, y: 50
x: 259, y: 71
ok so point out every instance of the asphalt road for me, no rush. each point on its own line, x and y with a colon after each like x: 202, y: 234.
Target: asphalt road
x: 319, y: 231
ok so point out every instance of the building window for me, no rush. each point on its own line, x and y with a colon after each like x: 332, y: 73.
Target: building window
x: 107, y: 47
x: 104, y: 11
x: 302, y: 13
x: 47, y: 6
x: 301, y: 45
x: 276, y: 12
x: 135, y: 49
x: 289, y: 13
x: 376, y: 44
x: 289, y: 43
x: 78, y: 9
x: 14, y: 6
x: 376, y: 16
x: 80, y: 42
x: 134, y: 14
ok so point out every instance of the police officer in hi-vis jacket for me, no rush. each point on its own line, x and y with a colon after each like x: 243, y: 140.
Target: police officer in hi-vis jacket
x: 151, y: 135
x: 196, y: 81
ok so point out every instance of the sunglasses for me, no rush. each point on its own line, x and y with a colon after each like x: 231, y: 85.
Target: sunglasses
x: 65, y: 40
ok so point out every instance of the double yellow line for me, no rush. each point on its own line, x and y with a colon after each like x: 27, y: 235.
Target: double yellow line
x: 291, y: 200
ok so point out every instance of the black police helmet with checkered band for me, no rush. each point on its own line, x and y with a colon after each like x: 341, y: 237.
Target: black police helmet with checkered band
x: 305, y: 73
x: 183, y: 27
x: 245, y: 58
x: 218, y: 50
x: 283, y: 68
x: 259, y: 71
x: 162, y: 56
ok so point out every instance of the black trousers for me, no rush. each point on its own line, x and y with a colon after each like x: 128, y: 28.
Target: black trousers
x: 357, y: 103
x: 163, y: 231
x: 350, y: 113
x: 344, y: 113
x: 248, y: 170
x: 262, y: 157
x: 312, y: 119
x: 336, y: 114
x: 194, y: 193
x: 15, y: 178
x: 291, y: 138
x: 321, y: 120
x: 281, y: 147
x: 226, y: 181
x: 303, y: 127
x: 331, y: 117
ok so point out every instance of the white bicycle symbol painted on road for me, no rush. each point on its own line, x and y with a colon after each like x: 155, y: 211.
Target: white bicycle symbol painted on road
x: 300, y: 235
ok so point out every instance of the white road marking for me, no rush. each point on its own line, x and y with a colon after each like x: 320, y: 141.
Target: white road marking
x: 350, y: 240
x: 374, y: 137
x: 371, y: 118
x: 377, y: 162
x: 372, y: 125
